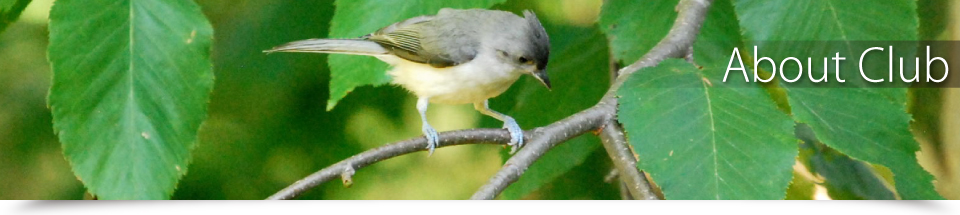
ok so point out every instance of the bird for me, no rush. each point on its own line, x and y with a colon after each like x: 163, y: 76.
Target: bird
x: 457, y: 56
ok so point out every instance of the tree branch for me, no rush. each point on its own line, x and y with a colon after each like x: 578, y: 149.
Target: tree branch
x: 679, y: 41
x: 544, y: 140
x: 615, y: 142
x: 676, y: 44
x: 345, y: 169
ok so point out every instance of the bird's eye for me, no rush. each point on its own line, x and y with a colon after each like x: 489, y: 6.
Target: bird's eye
x: 524, y: 60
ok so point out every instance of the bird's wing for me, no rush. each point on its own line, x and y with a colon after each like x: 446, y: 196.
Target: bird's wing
x: 404, y: 39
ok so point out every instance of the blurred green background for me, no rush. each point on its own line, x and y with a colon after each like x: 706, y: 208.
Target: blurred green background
x: 267, y: 125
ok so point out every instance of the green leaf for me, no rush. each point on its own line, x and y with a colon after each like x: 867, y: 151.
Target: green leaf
x: 579, y: 71
x: 868, y: 124
x: 843, y: 177
x: 700, y: 138
x: 131, y: 80
x: 348, y: 72
x: 633, y: 27
x: 10, y: 11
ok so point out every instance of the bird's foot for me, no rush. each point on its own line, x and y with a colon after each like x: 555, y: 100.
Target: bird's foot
x: 516, y: 134
x: 433, y: 138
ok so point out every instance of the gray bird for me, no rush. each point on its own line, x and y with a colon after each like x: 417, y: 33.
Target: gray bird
x: 454, y: 57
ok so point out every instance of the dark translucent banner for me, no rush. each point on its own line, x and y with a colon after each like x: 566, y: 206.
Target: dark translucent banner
x: 842, y: 64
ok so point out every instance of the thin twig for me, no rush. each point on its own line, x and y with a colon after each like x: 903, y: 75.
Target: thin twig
x: 615, y: 143
x: 614, y: 174
x: 346, y: 168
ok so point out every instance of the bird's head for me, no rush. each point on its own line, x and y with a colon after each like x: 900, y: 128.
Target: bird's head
x: 531, y: 55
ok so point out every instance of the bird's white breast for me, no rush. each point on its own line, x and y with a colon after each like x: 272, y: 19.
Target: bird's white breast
x: 475, y: 81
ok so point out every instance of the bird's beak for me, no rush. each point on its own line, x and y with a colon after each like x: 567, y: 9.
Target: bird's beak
x: 541, y: 76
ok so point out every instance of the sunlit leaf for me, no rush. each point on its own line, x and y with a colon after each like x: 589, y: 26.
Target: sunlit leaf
x: 130, y: 89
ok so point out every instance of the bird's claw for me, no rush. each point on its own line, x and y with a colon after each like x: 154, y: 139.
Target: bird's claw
x: 516, y: 134
x: 433, y: 138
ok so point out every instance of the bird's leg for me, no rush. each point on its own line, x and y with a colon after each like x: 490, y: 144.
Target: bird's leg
x: 433, y: 139
x: 516, y: 134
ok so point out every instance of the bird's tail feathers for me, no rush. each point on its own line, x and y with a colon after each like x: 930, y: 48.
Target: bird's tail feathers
x: 335, y: 46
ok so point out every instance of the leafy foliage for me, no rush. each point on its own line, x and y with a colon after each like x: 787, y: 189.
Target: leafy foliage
x: 127, y: 110
x: 838, y: 112
x: 838, y: 115
x: 701, y: 138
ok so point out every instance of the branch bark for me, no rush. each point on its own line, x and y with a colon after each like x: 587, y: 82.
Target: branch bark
x: 545, y: 139
x: 679, y: 40
x: 345, y: 169
x: 615, y: 142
